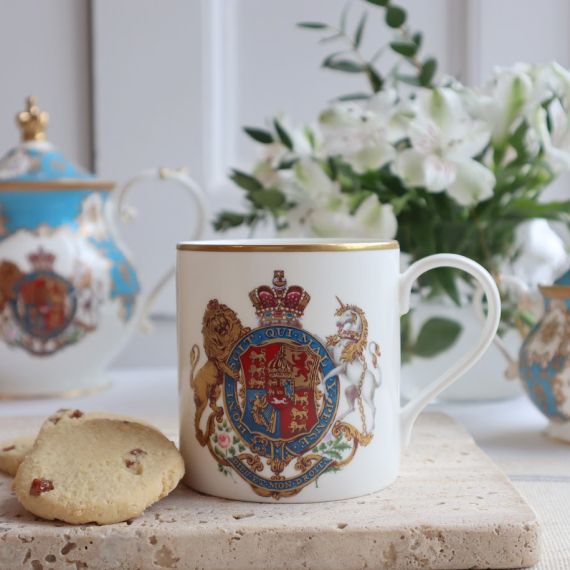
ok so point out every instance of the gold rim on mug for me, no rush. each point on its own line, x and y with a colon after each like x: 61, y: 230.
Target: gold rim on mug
x: 287, y: 245
x: 51, y: 396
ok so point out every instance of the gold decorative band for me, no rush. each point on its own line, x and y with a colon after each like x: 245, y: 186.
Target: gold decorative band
x: 51, y: 185
x: 65, y: 395
x: 555, y: 291
x: 286, y: 246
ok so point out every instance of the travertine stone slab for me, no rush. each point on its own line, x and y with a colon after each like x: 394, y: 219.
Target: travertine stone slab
x: 450, y: 508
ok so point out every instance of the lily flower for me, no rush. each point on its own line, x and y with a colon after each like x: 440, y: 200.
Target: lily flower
x: 444, y: 139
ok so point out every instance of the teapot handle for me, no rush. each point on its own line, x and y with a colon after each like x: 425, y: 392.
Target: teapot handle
x: 522, y: 291
x: 127, y: 214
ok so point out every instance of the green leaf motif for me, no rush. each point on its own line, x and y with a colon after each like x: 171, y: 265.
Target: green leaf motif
x: 283, y: 135
x: 436, y: 335
x: 407, y: 49
x: 417, y: 38
x: 427, y: 72
x: 259, y: 135
x: 379, y: 2
x: 395, y: 16
x: 312, y: 25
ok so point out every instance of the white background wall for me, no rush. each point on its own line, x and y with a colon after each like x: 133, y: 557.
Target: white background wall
x: 136, y: 83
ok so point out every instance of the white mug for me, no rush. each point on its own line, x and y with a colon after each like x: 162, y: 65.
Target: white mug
x: 289, y: 365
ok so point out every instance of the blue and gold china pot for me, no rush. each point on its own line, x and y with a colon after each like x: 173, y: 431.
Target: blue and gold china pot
x: 69, y: 292
x: 544, y: 362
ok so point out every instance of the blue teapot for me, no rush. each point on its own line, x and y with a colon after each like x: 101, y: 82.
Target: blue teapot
x: 69, y: 291
x: 544, y: 362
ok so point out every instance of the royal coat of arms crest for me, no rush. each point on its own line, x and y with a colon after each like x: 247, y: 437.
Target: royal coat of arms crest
x: 278, y: 395
x: 41, y: 311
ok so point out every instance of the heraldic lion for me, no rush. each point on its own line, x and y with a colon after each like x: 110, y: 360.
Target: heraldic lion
x: 221, y: 329
x: 9, y: 275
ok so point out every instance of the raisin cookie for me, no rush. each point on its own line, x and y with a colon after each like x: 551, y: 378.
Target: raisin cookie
x: 12, y: 453
x: 102, y: 470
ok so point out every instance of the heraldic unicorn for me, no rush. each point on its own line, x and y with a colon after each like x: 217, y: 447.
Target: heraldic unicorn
x: 278, y: 397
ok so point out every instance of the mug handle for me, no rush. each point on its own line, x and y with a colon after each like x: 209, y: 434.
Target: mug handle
x: 127, y: 214
x: 522, y: 291
x: 410, y: 412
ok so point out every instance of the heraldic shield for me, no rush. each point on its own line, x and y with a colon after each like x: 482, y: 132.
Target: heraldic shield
x: 274, y: 392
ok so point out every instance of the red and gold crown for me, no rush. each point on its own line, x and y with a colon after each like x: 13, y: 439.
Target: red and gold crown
x: 42, y: 260
x: 279, y: 368
x: 279, y: 304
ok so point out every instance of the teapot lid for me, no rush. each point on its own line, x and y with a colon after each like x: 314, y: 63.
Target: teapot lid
x: 35, y: 164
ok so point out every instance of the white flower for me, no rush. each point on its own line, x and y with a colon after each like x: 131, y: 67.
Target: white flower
x: 556, y: 139
x: 372, y: 219
x: 323, y: 210
x: 444, y: 139
x: 542, y: 253
x: 517, y: 93
x: 506, y: 100
x: 363, y: 134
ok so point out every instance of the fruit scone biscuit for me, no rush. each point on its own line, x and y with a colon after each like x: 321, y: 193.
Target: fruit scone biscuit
x: 96, y: 469
x: 12, y: 453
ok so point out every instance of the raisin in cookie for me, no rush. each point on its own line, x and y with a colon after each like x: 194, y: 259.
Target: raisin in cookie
x: 12, y: 453
x: 101, y: 470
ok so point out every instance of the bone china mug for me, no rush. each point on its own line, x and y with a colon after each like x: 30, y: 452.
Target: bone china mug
x: 289, y: 365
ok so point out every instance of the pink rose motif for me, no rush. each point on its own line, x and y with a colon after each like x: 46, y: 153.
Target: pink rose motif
x: 224, y: 440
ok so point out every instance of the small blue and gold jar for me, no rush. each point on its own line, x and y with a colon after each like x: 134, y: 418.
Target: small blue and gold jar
x: 69, y: 292
x: 544, y: 362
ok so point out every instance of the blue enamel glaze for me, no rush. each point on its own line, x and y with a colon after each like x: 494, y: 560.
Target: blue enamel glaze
x: 47, y: 165
x: 563, y: 279
x: 29, y: 210
x: 539, y: 382
x: 125, y: 283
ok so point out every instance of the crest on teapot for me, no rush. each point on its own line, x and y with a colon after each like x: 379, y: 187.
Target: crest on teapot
x: 278, y: 395
x: 43, y: 311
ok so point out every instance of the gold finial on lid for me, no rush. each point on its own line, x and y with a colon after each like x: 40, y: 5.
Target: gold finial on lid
x: 32, y: 121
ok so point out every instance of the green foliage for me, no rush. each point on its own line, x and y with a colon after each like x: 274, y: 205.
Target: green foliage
x: 283, y: 135
x: 407, y: 49
x: 312, y: 25
x: 395, y: 16
x: 407, y: 45
x: 427, y: 72
x: 259, y: 135
x: 245, y: 181
x: 427, y: 222
x: 436, y: 336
